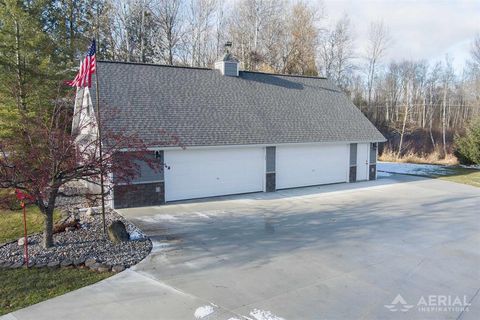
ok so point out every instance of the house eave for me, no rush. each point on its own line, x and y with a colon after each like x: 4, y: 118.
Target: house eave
x: 259, y: 145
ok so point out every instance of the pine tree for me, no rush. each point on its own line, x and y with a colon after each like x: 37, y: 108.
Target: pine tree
x: 468, y: 145
x: 30, y: 71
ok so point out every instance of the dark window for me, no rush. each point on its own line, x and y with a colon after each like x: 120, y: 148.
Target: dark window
x: 270, y: 159
x: 373, y: 153
x: 353, y: 154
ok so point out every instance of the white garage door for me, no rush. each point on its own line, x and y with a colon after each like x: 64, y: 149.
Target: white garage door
x: 201, y: 173
x: 310, y: 165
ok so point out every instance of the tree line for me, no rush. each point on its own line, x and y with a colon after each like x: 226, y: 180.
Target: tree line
x: 418, y: 105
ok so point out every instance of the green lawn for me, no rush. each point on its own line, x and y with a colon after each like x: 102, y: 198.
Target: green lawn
x: 23, y: 287
x: 20, y: 288
x: 465, y: 176
x: 11, y: 223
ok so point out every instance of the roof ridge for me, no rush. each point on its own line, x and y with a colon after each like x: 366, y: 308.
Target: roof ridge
x: 204, y: 68
x: 153, y: 64
x: 286, y: 75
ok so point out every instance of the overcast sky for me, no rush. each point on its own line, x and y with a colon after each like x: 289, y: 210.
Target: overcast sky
x: 422, y: 29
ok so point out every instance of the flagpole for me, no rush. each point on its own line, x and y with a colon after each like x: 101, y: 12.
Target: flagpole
x: 99, y: 132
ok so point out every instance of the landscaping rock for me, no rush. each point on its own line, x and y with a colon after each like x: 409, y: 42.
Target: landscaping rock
x: 92, y: 212
x: 53, y: 264
x: 89, y: 262
x: 102, y: 267
x: 62, y: 226
x: 86, y: 241
x: 16, y: 265
x: 6, y: 264
x: 118, y: 268
x: 95, y: 266
x: 21, y: 241
x: 75, y: 213
x: 66, y: 263
x: 117, y: 232
x: 78, y: 262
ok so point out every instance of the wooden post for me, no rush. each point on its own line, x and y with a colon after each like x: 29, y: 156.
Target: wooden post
x: 99, y: 133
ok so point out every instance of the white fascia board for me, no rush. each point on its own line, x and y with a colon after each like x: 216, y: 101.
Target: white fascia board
x: 256, y: 145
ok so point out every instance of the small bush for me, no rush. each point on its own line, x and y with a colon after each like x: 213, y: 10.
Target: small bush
x: 467, y: 146
x: 8, y: 200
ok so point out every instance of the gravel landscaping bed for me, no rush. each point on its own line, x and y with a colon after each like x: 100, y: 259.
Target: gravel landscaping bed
x: 85, y: 246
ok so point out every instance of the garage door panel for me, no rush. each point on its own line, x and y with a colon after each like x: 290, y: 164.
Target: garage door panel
x: 206, y: 173
x: 299, y: 166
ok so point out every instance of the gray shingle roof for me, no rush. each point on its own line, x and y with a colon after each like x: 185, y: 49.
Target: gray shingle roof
x: 204, y: 108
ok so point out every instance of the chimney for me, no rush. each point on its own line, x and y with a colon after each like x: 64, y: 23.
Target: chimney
x: 228, y: 64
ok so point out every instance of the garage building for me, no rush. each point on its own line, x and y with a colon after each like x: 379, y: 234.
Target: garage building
x: 241, y: 131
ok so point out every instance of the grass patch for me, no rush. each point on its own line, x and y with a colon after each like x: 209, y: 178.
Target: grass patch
x: 20, y: 288
x: 458, y: 174
x: 465, y: 176
x: 23, y: 287
x: 11, y: 223
x: 410, y: 157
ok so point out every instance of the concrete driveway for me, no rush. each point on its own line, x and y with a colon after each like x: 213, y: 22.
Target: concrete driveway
x: 398, y: 248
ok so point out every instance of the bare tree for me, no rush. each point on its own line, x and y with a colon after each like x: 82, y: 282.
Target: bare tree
x: 250, y: 27
x: 121, y: 29
x: 378, y: 43
x: 220, y: 26
x: 405, y: 117
x: 143, y: 12
x: 304, y: 32
x: 274, y: 42
x: 200, y: 36
x: 133, y: 30
x: 473, y: 71
x: 475, y: 51
x: 447, y: 79
x: 431, y: 99
x: 336, y: 53
x: 167, y: 15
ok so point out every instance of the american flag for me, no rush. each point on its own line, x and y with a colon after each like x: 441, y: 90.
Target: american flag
x: 87, y: 68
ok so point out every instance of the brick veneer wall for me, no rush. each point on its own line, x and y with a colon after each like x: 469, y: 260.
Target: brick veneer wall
x: 138, y: 195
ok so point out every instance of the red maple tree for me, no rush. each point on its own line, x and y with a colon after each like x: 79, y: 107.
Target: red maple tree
x: 42, y: 156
